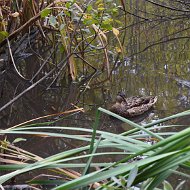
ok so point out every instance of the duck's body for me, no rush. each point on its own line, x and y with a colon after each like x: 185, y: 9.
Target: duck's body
x: 133, y: 106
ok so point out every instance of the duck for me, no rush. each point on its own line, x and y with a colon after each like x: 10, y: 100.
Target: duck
x: 132, y: 106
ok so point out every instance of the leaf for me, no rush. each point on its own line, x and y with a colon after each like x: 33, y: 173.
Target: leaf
x: 67, y: 13
x: 4, y: 33
x: 118, y: 22
x: 114, y: 10
x: 61, y: 48
x: 89, y: 7
x: 85, y: 30
x: 132, y: 175
x: 45, y: 12
x: 123, y: 181
x: 72, y: 68
x: 19, y: 140
x: 115, y: 31
x: 68, y: 5
x: 61, y: 27
x: 52, y: 20
x: 118, y: 49
x: 15, y: 14
x: 107, y: 26
x: 167, y: 186
x: 101, y: 8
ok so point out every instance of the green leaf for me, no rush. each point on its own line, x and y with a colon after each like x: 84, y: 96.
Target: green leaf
x: 101, y: 8
x: 89, y: 21
x: 67, y: 13
x: 114, y: 10
x: 100, y: 175
x: 4, y: 33
x: 107, y: 26
x: 89, y: 8
x: 68, y: 5
x: 19, y: 140
x: 167, y: 186
x: 61, y: 48
x: 45, y: 12
x: 132, y: 175
x: 123, y: 181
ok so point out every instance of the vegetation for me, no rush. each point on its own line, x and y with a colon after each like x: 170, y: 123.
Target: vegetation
x: 84, y: 43
x: 143, y: 165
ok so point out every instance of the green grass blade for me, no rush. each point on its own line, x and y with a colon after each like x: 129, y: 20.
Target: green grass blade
x: 130, y: 123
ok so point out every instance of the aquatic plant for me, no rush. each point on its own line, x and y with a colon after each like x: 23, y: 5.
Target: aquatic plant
x: 143, y: 165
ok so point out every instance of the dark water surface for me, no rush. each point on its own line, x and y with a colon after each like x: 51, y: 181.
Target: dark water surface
x: 132, y: 76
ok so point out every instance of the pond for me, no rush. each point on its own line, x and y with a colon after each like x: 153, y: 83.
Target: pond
x: 156, y: 61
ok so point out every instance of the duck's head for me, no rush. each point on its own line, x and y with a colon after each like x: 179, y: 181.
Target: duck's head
x: 120, y: 97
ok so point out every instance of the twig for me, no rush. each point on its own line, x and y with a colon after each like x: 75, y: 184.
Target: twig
x: 168, y: 7
x: 12, y: 59
x: 46, y: 116
x: 9, y: 47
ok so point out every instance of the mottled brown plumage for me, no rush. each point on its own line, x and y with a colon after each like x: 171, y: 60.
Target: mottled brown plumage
x: 133, y: 106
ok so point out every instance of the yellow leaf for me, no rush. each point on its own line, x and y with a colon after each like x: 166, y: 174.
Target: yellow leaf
x: 101, y: 8
x: 118, y: 49
x: 115, y: 31
x: 15, y: 14
x: 72, y: 68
